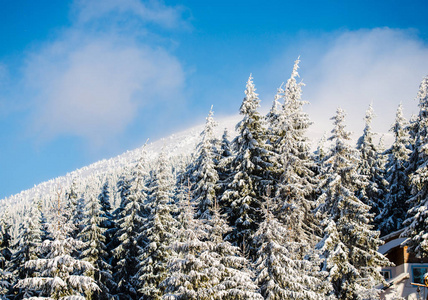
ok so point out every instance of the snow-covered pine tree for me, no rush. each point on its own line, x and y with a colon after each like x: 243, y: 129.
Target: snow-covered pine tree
x: 230, y: 271
x: 59, y: 275
x: 273, y: 115
x: 416, y: 227
x: 43, y: 221
x: 5, y: 254
x: 157, y: 233
x: 251, y: 175
x: 207, y: 267
x: 27, y: 245
x: 223, y: 167
x: 395, y: 207
x: 107, y: 219
x: 320, y: 154
x: 205, y: 173
x: 282, y: 270
x: 354, y: 249
x: 94, y: 248
x: 104, y: 200
x: 123, y: 190
x: 129, y: 225
x: 370, y: 165
x: 74, y: 209
x: 295, y: 166
x: 187, y: 276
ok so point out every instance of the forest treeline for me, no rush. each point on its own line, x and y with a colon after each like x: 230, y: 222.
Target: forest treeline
x: 261, y: 216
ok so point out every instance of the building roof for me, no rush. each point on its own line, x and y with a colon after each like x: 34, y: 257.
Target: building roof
x: 390, y: 245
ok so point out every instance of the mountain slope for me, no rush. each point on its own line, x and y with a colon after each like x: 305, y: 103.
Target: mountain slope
x: 179, y: 144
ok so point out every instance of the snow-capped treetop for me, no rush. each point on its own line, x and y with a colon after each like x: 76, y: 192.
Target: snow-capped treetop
x: 400, y: 146
x: 357, y: 260
x: 416, y: 229
x: 252, y: 98
x: 59, y: 275
x: 423, y: 99
x: 293, y: 90
x: 395, y: 209
x: 273, y: 115
x: 205, y: 176
x: 251, y: 170
x: 372, y: 166
x: 282, y: 270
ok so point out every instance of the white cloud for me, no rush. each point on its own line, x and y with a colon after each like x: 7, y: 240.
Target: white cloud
x: 88, y: 11
x: 92, y: 84
x: 382, y: 66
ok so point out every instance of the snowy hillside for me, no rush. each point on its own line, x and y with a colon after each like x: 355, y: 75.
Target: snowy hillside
x: 181, y: 143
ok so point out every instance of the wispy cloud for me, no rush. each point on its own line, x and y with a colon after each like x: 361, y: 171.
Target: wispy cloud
x: 353, y: 69
x: 92, y: 83
x: 89, y: 11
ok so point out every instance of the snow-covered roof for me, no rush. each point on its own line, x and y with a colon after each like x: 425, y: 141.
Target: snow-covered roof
x: 392, y: 234
x: 391, y: 244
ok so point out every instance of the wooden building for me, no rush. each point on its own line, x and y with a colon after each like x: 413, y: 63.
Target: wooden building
x: 408, y: 269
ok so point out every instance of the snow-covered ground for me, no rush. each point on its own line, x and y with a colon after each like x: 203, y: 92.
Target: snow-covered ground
x: 180, y: 143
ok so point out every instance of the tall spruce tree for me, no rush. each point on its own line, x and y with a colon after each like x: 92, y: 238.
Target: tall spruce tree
x: 59, y: 275
x: 251, y: 175
x: 94, y: 248
x: 5, y: 254
x: 27, y: 244
x: 188, y: 277
x: 223, y: 167
x: 273, y: 116
x: 207, y: 267
x: 370, y: 165
x: 74, y: 209
x: 295, y: 169
x: 416, y: 226
x: 282, y: 270
x: 129, y: 225
x: 354, y: 250
x: 205, y: 174
x: 108, y: 222
x: 157, y: 233
x: 395, y: 208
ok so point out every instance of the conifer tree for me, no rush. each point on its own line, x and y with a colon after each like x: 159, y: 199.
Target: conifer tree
x: 74, y: 209
x: 354, y: 251
x: 206, y: 267
x: 273, y: 116
x: 295, y: 168
x: 94, y: 248
x: 5, y: 254
x: 104, y: 200
x: 205, y: 174
x: 395, y: 209
x: 320, y: 154
x: 282, y: 271
x: 108, y: 222
x: 129, y: 225
x: 60, y: 274
x: 223, y: 167
x: 157, y: 234
x: 416, y: 228
x: 370, y: 165
x: 243, y: 197
x: 188, y: 278
x: 27, y: 245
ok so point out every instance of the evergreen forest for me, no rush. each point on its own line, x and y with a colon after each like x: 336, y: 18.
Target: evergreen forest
x: 253, y: 215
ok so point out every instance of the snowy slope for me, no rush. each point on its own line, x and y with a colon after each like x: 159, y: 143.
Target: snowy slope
x: 181, y: 143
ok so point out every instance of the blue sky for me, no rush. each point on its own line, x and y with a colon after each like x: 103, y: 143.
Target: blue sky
x: 85, y: 80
